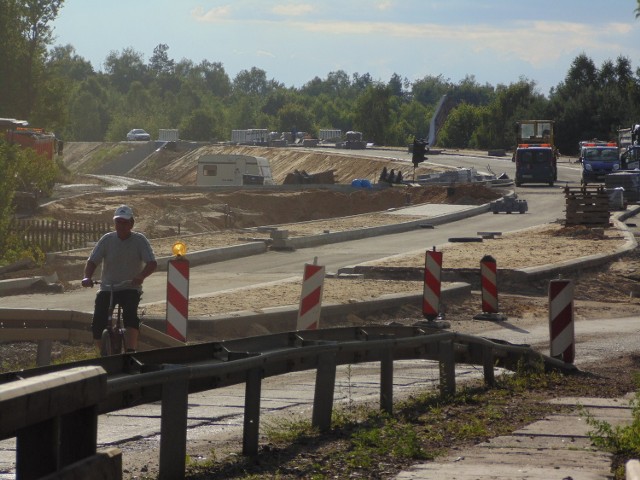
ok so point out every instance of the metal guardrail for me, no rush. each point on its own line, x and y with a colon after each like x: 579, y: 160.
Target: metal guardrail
x: 169, y: 375
x: 47, y: 326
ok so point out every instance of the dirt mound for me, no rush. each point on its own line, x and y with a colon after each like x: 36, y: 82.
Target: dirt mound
x: 184, y: 212
x: 164, y: 214
x: 168, y: 166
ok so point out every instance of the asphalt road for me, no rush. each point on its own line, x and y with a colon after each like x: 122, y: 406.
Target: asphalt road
x: 218, y: 413
x: 546, y: 204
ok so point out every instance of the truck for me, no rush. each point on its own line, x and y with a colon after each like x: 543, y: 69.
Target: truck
x: 535, y: 155
x: 598, y: 159
x: 628, y: 147
x: 38, y: 139
x: 44, y: 143
x: 252, y: 136
x: 229, y: 170
x: 353, y: 141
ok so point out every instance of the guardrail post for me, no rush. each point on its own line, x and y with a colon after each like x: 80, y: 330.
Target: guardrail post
x: 78, y: 435
x: 487, y: 366
x: 386, y: 381
x: 43, y: 357
x: 251, y: 427
x: 173, y: 427
x: 447, y: 362
x: 53, y: 417
x: 37, y: 441
x: 325, y: 386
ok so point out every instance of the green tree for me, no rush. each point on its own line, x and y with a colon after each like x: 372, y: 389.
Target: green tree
x: 594, y: 102
x: 511, y: 103
x: 202, y: 125
x: 461, y: 124
x: 25, y: 170
x: 372, y: 111
x: 251, y: 82
x: 64, y: 62
x: 125, y: 68
x: 86, y: 116
x: 8, y: 165
x: 398, y: 85
x: 429, y: 90
x: 160, y: 63
x: 216, y: 80
x: 415, y: 118
x: 25, y: 34
x: 38, y: 15
x: 295, y: 116
x: 468, y: 90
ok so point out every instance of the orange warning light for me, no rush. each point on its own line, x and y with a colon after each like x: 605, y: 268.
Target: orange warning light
x: 179, y: 249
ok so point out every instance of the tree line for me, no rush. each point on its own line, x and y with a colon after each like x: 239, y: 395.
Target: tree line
x: 55, y: 88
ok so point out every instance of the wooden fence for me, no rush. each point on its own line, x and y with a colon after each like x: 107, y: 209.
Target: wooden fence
x: 59, y: 235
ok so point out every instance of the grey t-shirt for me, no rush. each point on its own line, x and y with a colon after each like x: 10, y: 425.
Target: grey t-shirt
x: 121, y: 259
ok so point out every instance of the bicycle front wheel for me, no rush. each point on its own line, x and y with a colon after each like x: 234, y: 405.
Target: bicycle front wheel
x: 117, y: 341
x: 105, y: 343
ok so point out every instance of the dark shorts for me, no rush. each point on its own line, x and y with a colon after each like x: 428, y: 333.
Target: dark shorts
x: 127, y: 299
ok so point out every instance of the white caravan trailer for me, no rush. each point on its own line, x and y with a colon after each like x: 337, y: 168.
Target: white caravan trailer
x: 219, y: 170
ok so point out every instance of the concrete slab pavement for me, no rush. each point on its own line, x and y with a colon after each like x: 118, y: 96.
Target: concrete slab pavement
x: 556, y: 447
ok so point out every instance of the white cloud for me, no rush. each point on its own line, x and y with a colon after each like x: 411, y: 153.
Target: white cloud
x: 293, y: 10
x: 264, y: 53
x: 385, y: 5
x: 212, y: 15
x: 536, y: 43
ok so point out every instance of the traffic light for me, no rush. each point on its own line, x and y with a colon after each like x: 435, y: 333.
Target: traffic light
x: 419, y: 151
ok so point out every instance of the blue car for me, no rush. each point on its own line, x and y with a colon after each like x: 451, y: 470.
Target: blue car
x: 598, y: 159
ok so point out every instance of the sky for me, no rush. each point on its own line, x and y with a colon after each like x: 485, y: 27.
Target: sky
x: 495, y: 41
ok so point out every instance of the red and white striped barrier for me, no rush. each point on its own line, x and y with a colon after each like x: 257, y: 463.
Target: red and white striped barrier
x: 489, y: 290
x: 489, y: 283
x: 432, y: 284
x: 177, y: 298
x: 311, y: 297
x: 561, y: 324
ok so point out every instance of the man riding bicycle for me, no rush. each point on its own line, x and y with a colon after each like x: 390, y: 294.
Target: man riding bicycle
x: 126, y: 256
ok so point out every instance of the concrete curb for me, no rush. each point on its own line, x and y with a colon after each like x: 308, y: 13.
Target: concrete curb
x: 213, y: 255
x: 227, y: 253
x: 508, y: 277
x: 202, y: 257
x: 284, y: 319
x: 336, y: 237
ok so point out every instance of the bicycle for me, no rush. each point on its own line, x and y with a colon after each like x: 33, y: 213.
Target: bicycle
x: 112, y: 341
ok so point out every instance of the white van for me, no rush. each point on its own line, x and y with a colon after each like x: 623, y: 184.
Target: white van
x: 220, y: 170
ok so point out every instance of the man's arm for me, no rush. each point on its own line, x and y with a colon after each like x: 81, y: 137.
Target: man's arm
x: 148, y: 269
x: 89, y: 269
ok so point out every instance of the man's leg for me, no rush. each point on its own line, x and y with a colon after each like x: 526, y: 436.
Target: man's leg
x: 130, y: 319
x: 100, y: 316
x: 131, y: 338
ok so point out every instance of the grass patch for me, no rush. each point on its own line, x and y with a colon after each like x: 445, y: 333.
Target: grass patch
x: 18, y: 356
x: 101, y: 156
x: 623, y: 441
x: 366, y: 443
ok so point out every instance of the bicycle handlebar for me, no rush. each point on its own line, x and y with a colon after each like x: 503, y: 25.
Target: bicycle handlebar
x: 111, y: 286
